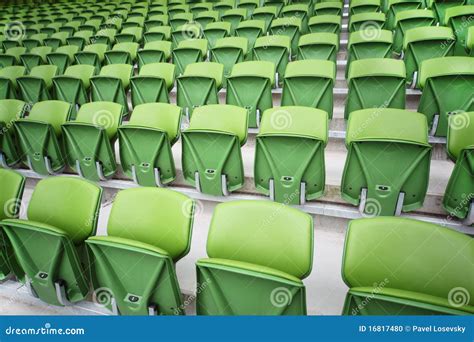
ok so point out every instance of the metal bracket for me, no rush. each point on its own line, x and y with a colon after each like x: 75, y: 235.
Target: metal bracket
x: 47, y: 164
x: 60, y: 288
x: 157, y: 176
x: 271, y: 189
x: 363, y: 202
x: 415, y: 79
x: 152, y: 310
x: 30, y: 287
x: 186, y: 111
x: 197, y: 181
x: 276, y: 80
x: 469, y: 220
x: 399, y: 207
x: 302, y: 193
x: 225, y: 191
x: 100, y: 172
x: 113, y: 304
x: 78, y: 168
x: 3, y: 161
x: 434, y: 127
x: 257, y: 114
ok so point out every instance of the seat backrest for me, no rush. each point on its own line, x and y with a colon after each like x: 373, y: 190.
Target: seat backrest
x: 218, y: 25
x: 104, y: 114
x: 286, y: 22
x: 96, y: 48
x: 382, y: 67
x: 45, y: 72
x: 427, y: 33
x: 158, y: 217
x: 206, y: 69
x: 12, y: 184
x: 198, y: 44
x: 121, y: 71
x: 68, y: 203
x: 163, y: 116
x: 11, y: 109
x: 235, y: 42
x: 263, y: 69
x: 12, y: 72
x: 263, y: 233
x: 53, y: 112
x: 129, y: 47
x: 273, y: 40
x: 67, y: 49
x: 460, y: 135
x: 445, y: 66
x: 81, y: 71
x: 377, y: 36
x: 311, y: 67
x: 412, y: 255
x: 221, y: 118
x: 161, y: 45
x: 326, y: 38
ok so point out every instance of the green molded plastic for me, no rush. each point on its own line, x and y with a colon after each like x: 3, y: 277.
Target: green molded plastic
x: 440, y: 8
x: 49, y: 246
x: 290, y: 27
x: 214, y: 31
x: 320, y: 45
x: 93, y: 54
x: 229, y: 51
x: 456, y: 18
x: 242, y: 257
x: 328, y: 8
x: 11, y: 56
x: 376, y: 248
x: 188, y: 31
x: 206, y: 17
x: 112, y: 84
x: 12, y: 185
x: 36, y: 86
x: 250, y: 29
x: 399, y: 6
x: 90, y: 138
x: 62, y: 57
x: 447, y: 89
x: 265, y: 14
x: 211, y: 156
x: 289, y: 152
x: 470, y: 41
x: 35, y: 57
x: 325, y: 24
x: 424, y: 43
x: 152, y: 84
x: 234, y: 17
x: 156, y: 235
x: 309, y: 83
x: 459, y: 197
x: 407, y: 20
x: 154, y: 52
x: 402, y: 168
x: 250, y: 86
x: 130, y: 35
x: 199, y: 85
x: 8, y: 84
x: 157, y: 33
x: 366, y: 22
x: 187, y: 52
x: 145, y: 143
x: 297, y: 10
x: 275, y: 49
x: 122, y: 53
x: 40, y: 136
x: 376, y: 83
x: 363, y: 6
x: 80, y: 38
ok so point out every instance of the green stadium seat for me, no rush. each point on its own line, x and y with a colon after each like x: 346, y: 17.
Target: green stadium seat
x: 133, y: 22
x: 112, y: 84
x: 229, y: 51
x: 290, y: 27
x: 458, y: 199
x: 93, y: 54
x: 187, y: 31
x: 80, y: 39
x: 320, y: 45
x: 36, y: 86
x: 62, y: 57
x: 199, y: 85
x: 36, y: 56
x: 157, y: 33
x: 10, y: 110
x: 424, y: 43
x: 198, y: 8
x: 325, y: 23
x: 381, y: 267
x: 398, y: 6
x: 385, y: 184
x: 105, y: 36
x: 92, y: 25
x: 250, y: 86
x: 447, y: 88
x: 366, y: 22
x: 275, y: 49
x: 156, y: 20
x: 56, y: 40
x: 8, y: 84
x: 211, y: 156
x: 161, y: 236
x: 122, y: 53
x: 130, y: 35
x: 180, y: 19
x: 214, y: 31
x: 440, y: 7
x: 407, y: 20
x: 278, y: 4
x: 376, y: 83
x: 266, y: 14
x: 328, y: 8
x: 152, y: 84
x: 206, y: 17
x: 289, y: 154
x: 154, y: 52
x: 187, y: 52
x: 309, y: 83
x: 90, y: 138
x: 222, y: 6
x: 234, y: 17
x: 40, y: 138
x: 146, y: 141
x: 49, y: 246
x: 12, y: 184
x: 249, y: 5
x: 297, y: 10
x: 364, y: 6
x: 243, y: 274
x: 456, y: 19
x: 34, y: 41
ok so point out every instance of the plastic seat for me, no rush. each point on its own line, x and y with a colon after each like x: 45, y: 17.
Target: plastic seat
x: 211, y: 156
x: 156, y: 20
x: 10, y: 110
x: 460, y: 148
x: 367, y: 21
x: 297, y: 10
x: 407, y: 20
x: 122, y: 53
x: 290, y: 27
x: 325, y: 24
x: 456, y: 19
x: 251, y: 30
x: 187, y: 52
x: 385, y: 184
x: 154, y: 52
x: 328, y: 8
x: 73, y: 87
x: 222, y: 6
x: 157, y: 33
x: 376, y: 278
x: 90, y: 138
x: 234, y: 17
x: 49, y: 246
x: 275, y: 49
x: 187, y: 31
x: 440, y: 7
x: 80, y: 39
x: 36, y: 86
x: 12, y: 185
x: 40, y: 136
x: 214, y: 31
x: 161, y: 236
x: 197, y: 8
x: 399, y: 6
x: 364, y: 6
x: 319, y: 45
x: 447, y: 88
x: 93, y: 54
x: 199, y: 85
x: 8, y: 84
x: 36, y: 56
x: 35, y: 40
x: 229, y: 51
x: 146, y: 141
x: 130, y: 35
x: 278, y: 4
x: 249, y: 5
x: 180, y: 19
x: 289, y: 154
x: 104, y: 36
x: 243, y: 274
x: 90, y: 25
x: 424, y: 43
x: 370, y: 43
x: 62, y: 57
x: 56, y: 40
x: 265, y: 14
x: 152, y: 84
x: 250, y: 86
x: 376, y: 83
x: 309, y: 83
x: 112, y: 84
x: 206, y: 17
